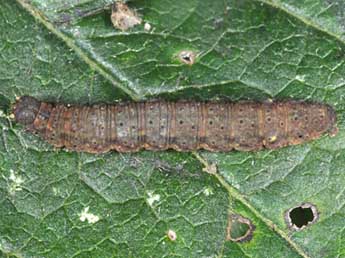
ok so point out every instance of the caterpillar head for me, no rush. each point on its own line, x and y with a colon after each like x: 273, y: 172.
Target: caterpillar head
x: 25, y: 110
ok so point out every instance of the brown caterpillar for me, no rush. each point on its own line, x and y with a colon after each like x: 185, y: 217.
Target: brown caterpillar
x: 183, y: 126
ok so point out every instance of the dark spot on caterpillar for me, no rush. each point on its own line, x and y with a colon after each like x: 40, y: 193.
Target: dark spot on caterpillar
x: 301, y: 216
x: 239, y: 229
x: 158, y: 126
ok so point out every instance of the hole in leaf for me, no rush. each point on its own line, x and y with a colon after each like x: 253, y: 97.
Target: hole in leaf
x: 301, y: 216
x: 188, y: 57
x: 239, y: 229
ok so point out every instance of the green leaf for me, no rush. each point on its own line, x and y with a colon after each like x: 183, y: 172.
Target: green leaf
x: 55, y: 203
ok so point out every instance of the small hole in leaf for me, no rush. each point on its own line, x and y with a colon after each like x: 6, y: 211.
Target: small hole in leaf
x: 188, y: 57
x: 301, y: 216
x: 239, y: 229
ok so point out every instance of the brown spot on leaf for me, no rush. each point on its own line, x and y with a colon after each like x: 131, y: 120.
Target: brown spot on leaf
x: 301, y: 216
x: 123, y: 17
x: 239, y: 229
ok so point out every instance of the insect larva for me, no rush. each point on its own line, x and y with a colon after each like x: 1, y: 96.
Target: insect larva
x: 183, y: 126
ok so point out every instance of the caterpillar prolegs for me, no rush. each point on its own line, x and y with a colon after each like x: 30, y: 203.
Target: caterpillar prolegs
x: 182, y: 125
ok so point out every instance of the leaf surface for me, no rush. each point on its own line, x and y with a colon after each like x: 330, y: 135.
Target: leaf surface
x: 56, y: 203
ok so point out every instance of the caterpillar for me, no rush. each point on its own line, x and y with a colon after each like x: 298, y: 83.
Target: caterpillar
x: 182, y: 125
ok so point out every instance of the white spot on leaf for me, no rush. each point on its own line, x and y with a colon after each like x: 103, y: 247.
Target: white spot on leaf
x: 208, y: 191
x: 86, y: 215
x: 152, y: 198
x: 16, y: 182
x: 300, y: 78
x: 172, y: 235
x: 147, y: 26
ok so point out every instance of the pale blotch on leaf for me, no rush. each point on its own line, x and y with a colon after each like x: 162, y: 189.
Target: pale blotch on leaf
x: 187, y: 57
x: 86, y: 215
x: 123, y: 17
x: 301, y: 216
x: 239, y: 229
x: 210, y: 169
x: 152, y: 198
x: 172, y: 235
x: 208, y: 191
x: 15, y: 183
